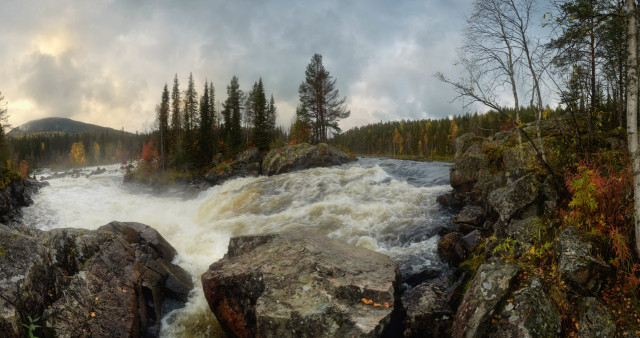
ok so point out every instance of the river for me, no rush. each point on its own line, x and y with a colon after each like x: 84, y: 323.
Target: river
x: 382, y: 204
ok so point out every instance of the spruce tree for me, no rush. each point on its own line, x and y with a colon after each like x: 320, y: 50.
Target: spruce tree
x: 176, y: 125
x: 205, y: 143
x: 323, y: 107
x: 233, y: 137
x: 163, y: 124
x: 261, y: 132
x: 189, y: 117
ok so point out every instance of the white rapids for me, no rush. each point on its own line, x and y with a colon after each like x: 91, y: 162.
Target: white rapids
x: 381, y: 204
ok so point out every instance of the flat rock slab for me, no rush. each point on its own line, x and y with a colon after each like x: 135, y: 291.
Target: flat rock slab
x: 302, y: 284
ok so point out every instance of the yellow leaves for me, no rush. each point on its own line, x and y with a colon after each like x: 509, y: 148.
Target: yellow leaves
x: 371, y: 302
x: 77, y: 154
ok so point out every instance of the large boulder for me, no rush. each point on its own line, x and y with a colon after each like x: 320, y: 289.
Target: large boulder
x: 470, y: 214
x: 575, y: 262
x: 302, y: 284
x: 452, y: 248
x: 467, y: 144
x: 427, y: 312
x: 302, y: 156
x: 489, y: 288
x: 529, y: 314
x: 114, y: 281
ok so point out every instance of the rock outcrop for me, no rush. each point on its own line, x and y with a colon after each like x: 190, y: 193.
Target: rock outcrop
x: 115, y: 281
x: 16, y: 195
x: 427, y: 312
x: 302, y: 284
x: 302, y: 156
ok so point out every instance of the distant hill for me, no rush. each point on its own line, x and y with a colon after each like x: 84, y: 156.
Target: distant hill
x: 56, y: 125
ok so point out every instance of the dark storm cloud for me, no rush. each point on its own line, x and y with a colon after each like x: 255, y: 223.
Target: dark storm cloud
x: 106, y: 61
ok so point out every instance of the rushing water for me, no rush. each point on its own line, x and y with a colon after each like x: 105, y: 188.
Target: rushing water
x: 385, y: 205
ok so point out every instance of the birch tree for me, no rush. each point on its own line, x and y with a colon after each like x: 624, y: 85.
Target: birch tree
x: 632, y: 111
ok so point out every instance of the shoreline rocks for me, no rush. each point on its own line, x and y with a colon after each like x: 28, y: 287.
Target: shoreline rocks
x: 117, y: 280
x: 15, y: 196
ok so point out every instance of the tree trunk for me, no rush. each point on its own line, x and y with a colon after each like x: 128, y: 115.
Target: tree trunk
x: 632, y: 113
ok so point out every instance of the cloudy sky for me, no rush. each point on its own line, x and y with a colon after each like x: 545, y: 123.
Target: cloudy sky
x: 106, y: 61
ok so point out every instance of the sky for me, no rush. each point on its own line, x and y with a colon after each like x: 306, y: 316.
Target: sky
x: 106, y: 61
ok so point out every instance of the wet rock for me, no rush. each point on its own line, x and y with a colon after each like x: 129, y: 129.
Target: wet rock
x: 575, y: 262
x: 302, y: 284
x: 15, y: 196
x: 452, y: 249
x: 464, y: 174
x: 470, y: 214
x: 427, y: 313
x: 250, y: 160
x: 303, y: 156
x: 450, y: 200
x: 109, y: 282
x: 515, y: 197
x: 529, y: 314
x: 489, y: 288
x: 595, y: 319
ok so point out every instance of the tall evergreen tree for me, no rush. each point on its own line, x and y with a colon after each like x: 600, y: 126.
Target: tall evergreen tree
x: 271, y: 117
x: 163, y: 124
x: 261, y: 132
x: 212, y: 107
x: 176, y: 125
x: 205, y: 143
x: 232, y: 106
x: 321, y: 100
x: 189, y: 119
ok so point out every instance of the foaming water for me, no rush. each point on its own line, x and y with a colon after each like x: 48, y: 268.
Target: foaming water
x: 385, y: 205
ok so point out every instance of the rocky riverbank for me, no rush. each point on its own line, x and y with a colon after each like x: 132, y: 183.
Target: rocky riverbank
x: 116, y: 281
x: 16, y: 195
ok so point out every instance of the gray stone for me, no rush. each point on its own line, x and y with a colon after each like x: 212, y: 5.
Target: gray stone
x: 529, y: 314
x: 595, y: 319
x: 489, y: 288
x: 471, y: 239
x: 303, y: 156
x: 427, y: 312
x: 464, y: 142
x: 465, y: 172
x: 525, y: 230
x: 452, y: 249
x: 302, y: 284
x: 515, y: 197
x: 575, y: 262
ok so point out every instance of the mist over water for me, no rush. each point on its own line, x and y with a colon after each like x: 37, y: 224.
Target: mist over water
x: 385, y: 205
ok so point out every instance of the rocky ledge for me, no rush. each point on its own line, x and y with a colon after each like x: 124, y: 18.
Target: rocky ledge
x: 116, y: 281
x: 16, y: 195
x: 277, y: 161
x: 303, y: 284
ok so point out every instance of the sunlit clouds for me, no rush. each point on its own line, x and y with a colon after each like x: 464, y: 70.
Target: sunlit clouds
x: 105, y: 62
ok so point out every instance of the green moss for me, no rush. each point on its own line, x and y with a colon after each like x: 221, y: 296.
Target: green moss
x: 2, y: 250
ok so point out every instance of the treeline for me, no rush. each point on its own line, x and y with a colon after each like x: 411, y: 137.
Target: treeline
x: 63, y: 150
x: 425, y: 138
x: 192, y: 129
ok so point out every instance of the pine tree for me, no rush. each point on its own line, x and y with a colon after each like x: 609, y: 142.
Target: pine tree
x: 205, y: 143
x: 261, y: 130
x: 176, y: 123
x: 232, y: 106
x: 271, y: 118
x: 212, y: 107
x: 189, y: 117
x: 163, y: 124
x: 321, y: 100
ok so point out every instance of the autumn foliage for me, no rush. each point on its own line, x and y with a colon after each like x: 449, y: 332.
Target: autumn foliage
x: 600, y: 200
x: 150, y: 158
